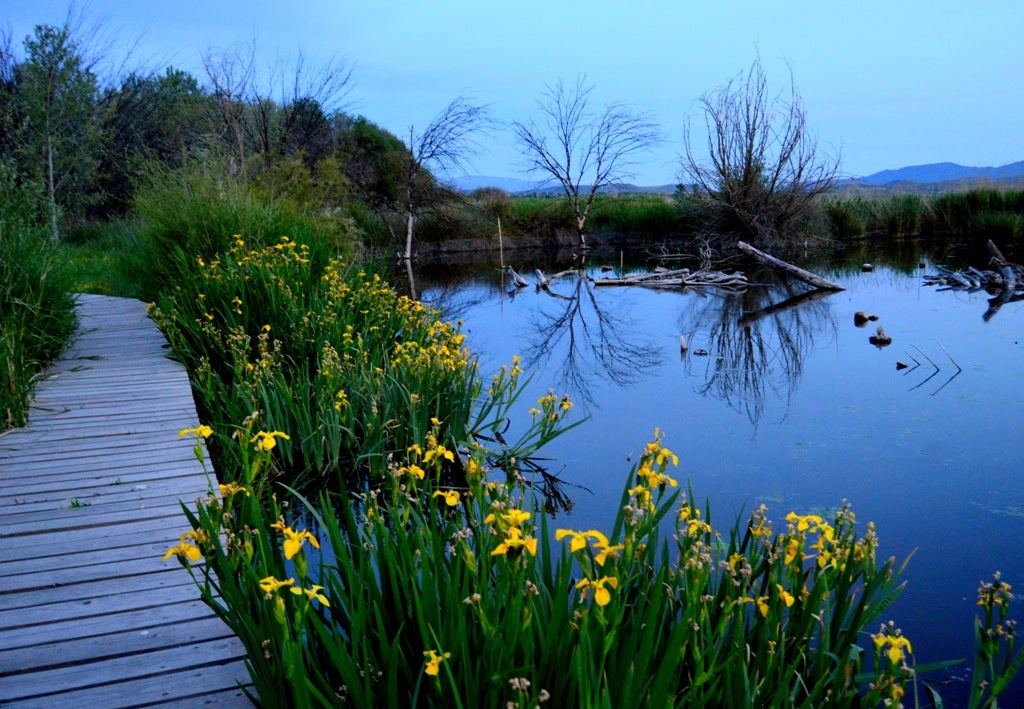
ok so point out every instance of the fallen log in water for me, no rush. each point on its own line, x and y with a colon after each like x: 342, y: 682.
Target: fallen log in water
x: 680, y: 278
x: 794, y: 271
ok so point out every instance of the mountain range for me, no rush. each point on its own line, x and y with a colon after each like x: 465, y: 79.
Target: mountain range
x: 934, y: 173
x: 943, y: 172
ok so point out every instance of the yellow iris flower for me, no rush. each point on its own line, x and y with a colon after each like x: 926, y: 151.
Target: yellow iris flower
x: 602, y: 596
x: 312, y: 594
x: 451, y: 497
x: 434, y: 661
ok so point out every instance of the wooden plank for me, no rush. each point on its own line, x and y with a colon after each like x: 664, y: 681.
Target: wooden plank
x: 95, y: 626
x: 212, y: 685
x: 136, y: 564
x: 185, y: 660
x: 112, y: 469
x: 83, y: 519
x: 89, y: 612
x: 50, y: 654
x: 60, y: 543
x: 127, y: 433
x: 141, y: 590
x: 147, y: 549
x: 100, y: 496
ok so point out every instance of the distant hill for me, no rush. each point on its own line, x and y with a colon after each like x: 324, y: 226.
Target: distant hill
x: 468, y: 183
x: 913, y: 178
x: 942, y: 172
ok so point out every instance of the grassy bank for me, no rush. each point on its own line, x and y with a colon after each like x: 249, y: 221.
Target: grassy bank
x: 36, y: 307
x: 977, y: 214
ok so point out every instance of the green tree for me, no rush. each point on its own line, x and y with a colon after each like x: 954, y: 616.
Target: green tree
x: 56, y: 115
x: 155, y: 117
x: 372, y: 159
x: 277, y: 111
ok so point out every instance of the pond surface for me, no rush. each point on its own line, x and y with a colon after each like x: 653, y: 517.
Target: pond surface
x: 788, y: 406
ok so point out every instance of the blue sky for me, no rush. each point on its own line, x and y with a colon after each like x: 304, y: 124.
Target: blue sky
x: 889, y: 83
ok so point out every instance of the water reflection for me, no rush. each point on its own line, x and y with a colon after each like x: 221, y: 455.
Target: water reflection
x: 755, y: 342
x: 587, y: 340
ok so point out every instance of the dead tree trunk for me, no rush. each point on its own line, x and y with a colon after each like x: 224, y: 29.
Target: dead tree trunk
x: 795, y: 271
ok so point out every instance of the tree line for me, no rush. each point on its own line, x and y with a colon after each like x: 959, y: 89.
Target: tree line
x: 83, y: 143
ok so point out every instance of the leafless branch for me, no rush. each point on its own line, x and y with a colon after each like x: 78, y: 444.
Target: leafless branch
x: 764, y: 167
x: 587, y: 151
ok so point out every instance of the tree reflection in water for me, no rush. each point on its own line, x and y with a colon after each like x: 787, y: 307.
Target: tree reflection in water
x: 590, y: 341
x: 756, y: 342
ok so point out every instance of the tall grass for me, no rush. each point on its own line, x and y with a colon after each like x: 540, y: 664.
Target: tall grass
x: 898, y: 215
x: 103, y: 258
x: 977, y: 214
x: 36, y: 307
x: 197, y: 210
x: 846, y: 218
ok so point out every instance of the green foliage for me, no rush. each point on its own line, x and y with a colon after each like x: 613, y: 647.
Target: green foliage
x: 898, y: 215
x: 103, y: 258
x: 196, y: 211
x: 978, y: 213
x: 148, y: 118
x: 36, y: 309
x: 427, y: 594
x: 331, y: 355
x: 654, y: 215
x: 1002, y: 227
x: 541, y: 216
x: 996, y: 657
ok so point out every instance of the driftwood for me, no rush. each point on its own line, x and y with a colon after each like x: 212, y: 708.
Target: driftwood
x: 680, y: 278
x: 794, y: 271
x: 1006, y: 284
x: 1005, y: 280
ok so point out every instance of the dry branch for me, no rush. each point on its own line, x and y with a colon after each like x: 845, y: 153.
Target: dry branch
x: 794, y: 271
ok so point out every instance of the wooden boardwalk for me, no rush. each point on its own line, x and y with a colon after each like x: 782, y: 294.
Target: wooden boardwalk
x: 89, y: 502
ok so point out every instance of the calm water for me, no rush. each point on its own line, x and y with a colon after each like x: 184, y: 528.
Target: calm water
x: 792, y: 407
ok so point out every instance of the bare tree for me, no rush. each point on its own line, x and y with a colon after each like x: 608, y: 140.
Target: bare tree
x: 273, y: 111
x: 765, y: 167
x: 445, y: 144
x: 589, y: 150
